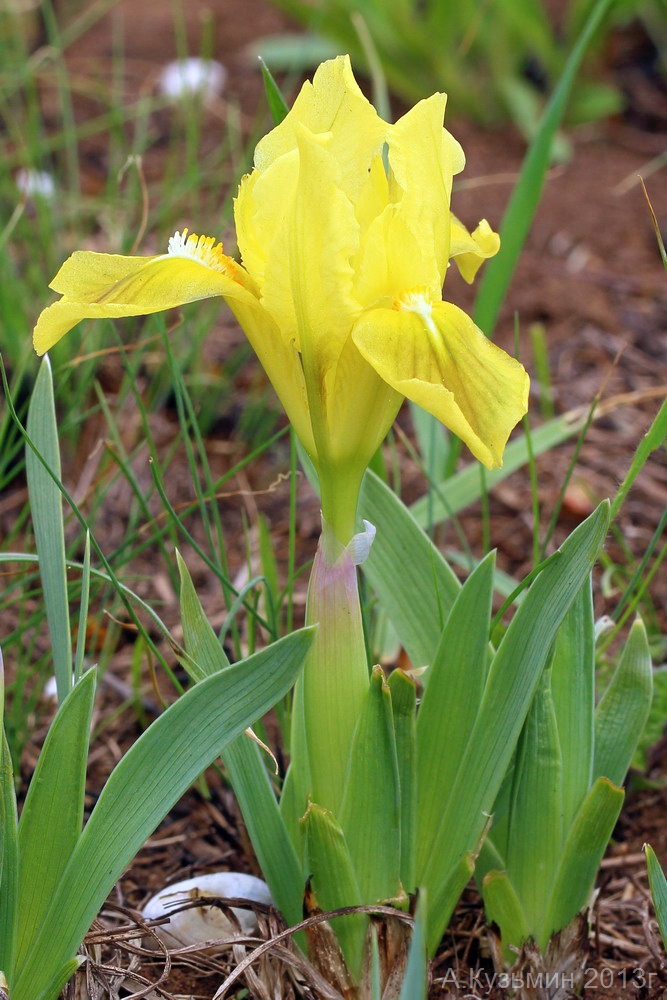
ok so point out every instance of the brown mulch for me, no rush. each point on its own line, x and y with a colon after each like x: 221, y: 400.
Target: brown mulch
x: 591, y: 277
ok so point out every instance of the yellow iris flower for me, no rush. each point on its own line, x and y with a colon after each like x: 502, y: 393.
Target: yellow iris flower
x: 345, y: 235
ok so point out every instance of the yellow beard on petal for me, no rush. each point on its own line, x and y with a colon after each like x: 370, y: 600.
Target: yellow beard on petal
x: 418, y: 300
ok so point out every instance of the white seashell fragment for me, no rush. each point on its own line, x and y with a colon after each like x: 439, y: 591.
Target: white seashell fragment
x: 206, y: 923
x: 192, y: 77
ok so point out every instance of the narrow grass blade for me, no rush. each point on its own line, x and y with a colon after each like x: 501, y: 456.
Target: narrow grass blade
x: 653, y: 439
x: 624, y: 708
x: 295, y: 53
x: 83, y: 613
x: 526, y: 196
x: 109, y: 574
x: 52, y: 815
x: 540, y: 351
x: 9, y: 861
x: 573, y: 693
x: 2, y: 729
x: 380, y: 91
x: 334, y: 880
x: 450, y: 703
x: 47, y: 517
x: 414, y: 584
x: 584, y: 846
x: 146, y: 783
x: 656, y: 227
x: 247, y: 773
x: 655, y: 724
x: 512, y: 681
x: 297, y: 785
x: 269, y: 565
x: 369, y: 814
x: 463, y: 488
x: 278, y: 106
x: 404, y: 708
x: 658, y: 885
x: 266, y: 827
x: 432, y: 442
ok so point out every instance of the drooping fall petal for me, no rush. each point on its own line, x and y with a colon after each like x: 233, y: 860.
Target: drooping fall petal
x: 96, y: 285
x: 435, y: 355
x: 110, y: 286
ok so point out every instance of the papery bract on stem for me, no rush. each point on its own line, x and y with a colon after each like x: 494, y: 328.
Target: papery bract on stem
x: 335, y: 676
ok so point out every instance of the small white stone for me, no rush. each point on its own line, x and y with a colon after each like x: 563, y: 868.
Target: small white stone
x: 35, y: 183
x: 192, y: 77
x: 206, y: 923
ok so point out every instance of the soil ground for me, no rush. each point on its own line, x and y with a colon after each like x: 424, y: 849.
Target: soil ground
x: 591, y: 277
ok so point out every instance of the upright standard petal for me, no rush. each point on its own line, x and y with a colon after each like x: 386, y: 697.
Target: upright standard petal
x: 261, y: 212
x: 332, y: 103
x: 435, y: 355
x: 423, y: 158
x: 323, y: 235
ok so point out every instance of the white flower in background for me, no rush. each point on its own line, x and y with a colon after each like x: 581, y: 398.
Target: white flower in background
x: 192, y: 77
x: 35, y: 183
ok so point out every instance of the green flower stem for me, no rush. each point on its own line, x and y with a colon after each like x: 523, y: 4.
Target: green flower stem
x: 335, y: 676
x: 339, y: 495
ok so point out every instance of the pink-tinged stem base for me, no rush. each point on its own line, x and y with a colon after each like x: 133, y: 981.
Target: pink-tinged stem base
x: 335, y: 678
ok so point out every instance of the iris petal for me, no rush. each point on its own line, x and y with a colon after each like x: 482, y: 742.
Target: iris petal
x: 323, y: 236
x: 96, y: 286
x: 332, y: 103
x: 423, y: 158
x: 470, y: 250
x: 437, y: 357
